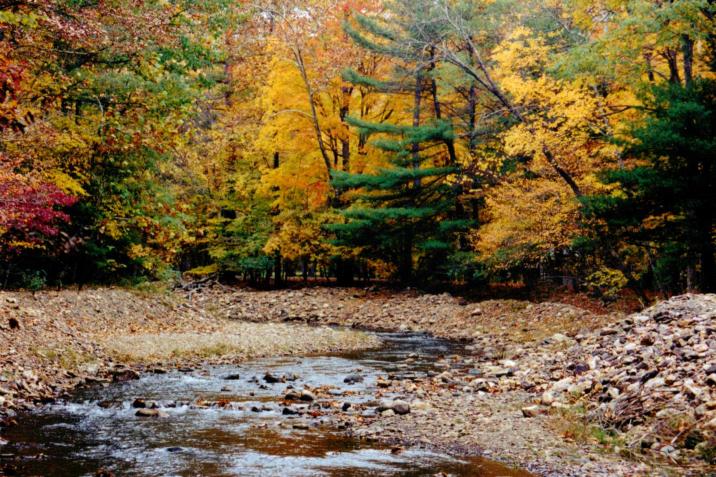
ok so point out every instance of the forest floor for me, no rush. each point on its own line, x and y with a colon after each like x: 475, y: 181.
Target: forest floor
x: 552, y: 387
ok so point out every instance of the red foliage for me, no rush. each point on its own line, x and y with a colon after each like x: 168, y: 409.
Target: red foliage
x: 30, y: 213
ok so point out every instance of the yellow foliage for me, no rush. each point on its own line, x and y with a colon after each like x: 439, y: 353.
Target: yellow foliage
x: 562, y: 116
x: 65, y: 183
x: 607, y: 281
x: 528, y: 219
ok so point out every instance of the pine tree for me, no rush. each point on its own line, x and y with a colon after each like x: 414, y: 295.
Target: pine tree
x: 409, y: 208
x: 666, y: 203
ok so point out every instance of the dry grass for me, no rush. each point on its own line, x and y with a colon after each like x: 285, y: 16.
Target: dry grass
x: 237, y: 341
x: 67, y: 358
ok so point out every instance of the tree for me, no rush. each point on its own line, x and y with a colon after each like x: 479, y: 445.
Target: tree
x: 103, y: 94
x: 665, y: 201
x: 406, y: 208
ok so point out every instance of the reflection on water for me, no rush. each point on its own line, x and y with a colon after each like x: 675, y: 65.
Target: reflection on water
x: 246, y: 434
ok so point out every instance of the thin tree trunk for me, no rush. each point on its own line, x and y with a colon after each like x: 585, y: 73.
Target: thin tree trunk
x: 417, y: 100
x: 449, y: 143
x: 649, y: 68
x: 347, y: 93
x: 405, y: 263
x: 672, y: 60
x: 298, y: 56
x: 691, y: 276
x: 566, y: 176
x: 687, y: 48
x: 472, y: 117
x: 278, y: 282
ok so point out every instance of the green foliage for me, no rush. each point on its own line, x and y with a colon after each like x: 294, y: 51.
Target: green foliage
x: 665, y: 205
x: 399, y: 212
x: 407, y: 213
x: 239, y: 243
x: 114, y: 99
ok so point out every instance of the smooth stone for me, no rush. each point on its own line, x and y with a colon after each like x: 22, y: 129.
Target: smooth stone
x: 150, y: 413
x: 353, y: 379
x: 532, y: 411
x: 401, y: 408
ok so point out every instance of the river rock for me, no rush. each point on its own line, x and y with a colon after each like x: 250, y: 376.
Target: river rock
x: 353, y: 379
x: 292, y: 395
x: 307, y: 396
x: 384, y: 405
x: 382, y: 382
x: 156, y: 413
x: 271, y: 379
x: 400, y: 407
x: 124, y: 375
x: 547, y: 398
x: 532, y: 411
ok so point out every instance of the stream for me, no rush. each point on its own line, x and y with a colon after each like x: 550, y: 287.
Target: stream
x: 214, y: 426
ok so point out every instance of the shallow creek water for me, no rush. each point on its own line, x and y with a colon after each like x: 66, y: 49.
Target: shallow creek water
x: 247, y: 435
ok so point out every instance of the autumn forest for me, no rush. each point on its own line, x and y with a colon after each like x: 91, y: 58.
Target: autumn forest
x: 420, y: 142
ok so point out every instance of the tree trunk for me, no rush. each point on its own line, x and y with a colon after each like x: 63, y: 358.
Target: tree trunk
x: 405, y: 261
x: 298, y: 56
x: 673, y: 62
x: 418, y: 97
x: 649, y: 68
x: 687, y: 48
x: 472, y: 117
x: 347, y: 93
x: 449, y: 143
x: 278, y: 282
x: 345, y: 271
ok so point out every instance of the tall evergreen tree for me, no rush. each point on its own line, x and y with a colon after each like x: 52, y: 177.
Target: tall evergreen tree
x: 408, y: 209
x: 666, y: 205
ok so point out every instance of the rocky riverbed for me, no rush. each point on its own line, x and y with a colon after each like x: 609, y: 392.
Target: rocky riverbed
x: 550, y: 387
x: 266, y: 417
x: 53, y: 342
